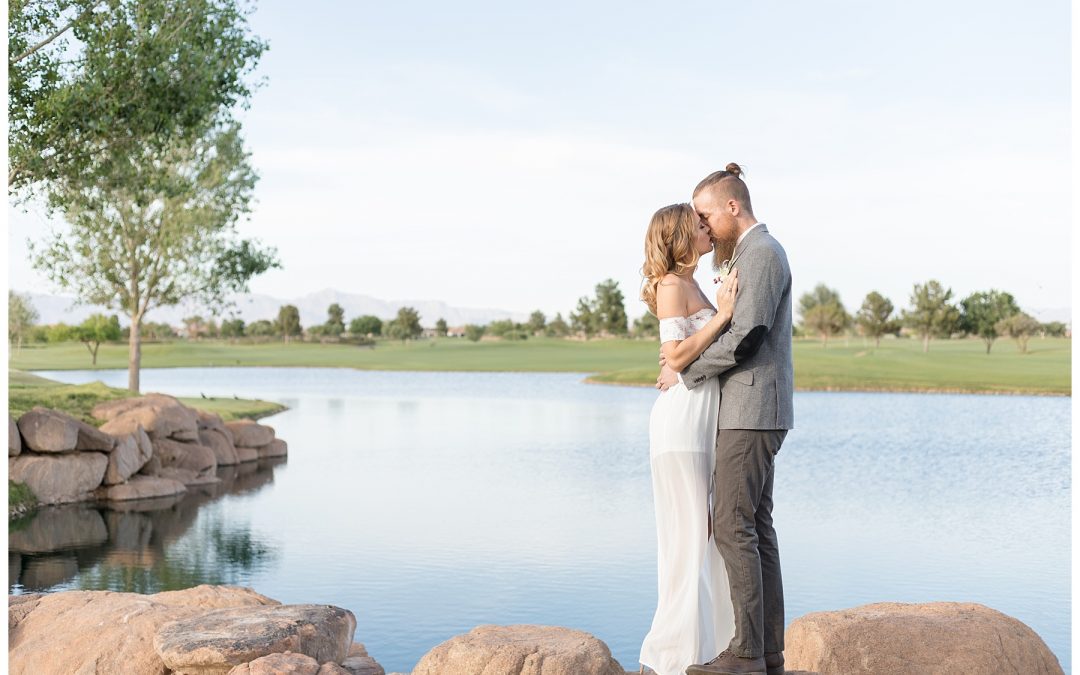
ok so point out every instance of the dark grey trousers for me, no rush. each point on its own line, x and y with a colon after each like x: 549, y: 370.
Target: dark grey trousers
x: 744, y: 535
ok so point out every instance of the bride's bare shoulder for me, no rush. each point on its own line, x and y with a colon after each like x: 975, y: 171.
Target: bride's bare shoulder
x: 671, y: 297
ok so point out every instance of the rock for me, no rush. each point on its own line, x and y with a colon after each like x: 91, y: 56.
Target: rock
x: 92, y: 438
x: 103, y: 631
x: 331, y: 668
x: 191, y: 456
x: 162, y: 416
x: 143, y: 487
x: 208, y: 420
x: 279, y: 664
x: 186, y: 476
x: 45, y: 430
x: 56, y: 479
x: 14, y: 439
x: 220, y: 441
x: 246, y: 454
x: 129, y: 455
x: 924, y: 639
x: 217, y: 641
x: 151, y: 468
x: 520, y: 650
x: 60, y: 529
x: 362, y: 665
x: 276, y: 448
x: 249, y: 434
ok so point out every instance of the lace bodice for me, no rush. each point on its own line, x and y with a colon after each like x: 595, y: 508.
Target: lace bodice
x: 682, y: 327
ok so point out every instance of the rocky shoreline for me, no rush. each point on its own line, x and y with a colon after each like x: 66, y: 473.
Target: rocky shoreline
x: 148, y: 446
x: 229, y: 630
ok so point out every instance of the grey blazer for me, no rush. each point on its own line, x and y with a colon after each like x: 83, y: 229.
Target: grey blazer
x: 752, y: 357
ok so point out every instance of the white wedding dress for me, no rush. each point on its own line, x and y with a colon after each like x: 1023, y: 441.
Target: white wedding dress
x: 694, y: 619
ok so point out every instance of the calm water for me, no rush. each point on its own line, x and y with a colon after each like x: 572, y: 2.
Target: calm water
x: 429, y: 503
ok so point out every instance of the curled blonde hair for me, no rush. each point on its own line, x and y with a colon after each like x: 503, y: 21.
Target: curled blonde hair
x: 669, y: 247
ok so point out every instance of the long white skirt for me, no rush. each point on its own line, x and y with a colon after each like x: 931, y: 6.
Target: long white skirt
x: 694, y: 619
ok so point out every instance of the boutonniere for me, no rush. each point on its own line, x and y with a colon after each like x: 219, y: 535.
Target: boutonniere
x: 724, y: 270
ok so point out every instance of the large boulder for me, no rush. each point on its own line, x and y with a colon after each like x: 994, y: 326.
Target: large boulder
x: 250, y: 434
x: 45, y: 430
x: 191, y: 456
x: 220, y: 441
x: 520, y: 650
x: 288, y: 663
x: 130, y: 454
x: 92, y: 438
x: 143, y: 487
x: 918, y: 639
x: 14, y: 439
x: 216, y: 642
x: 186, y: 476
x: 358, y: 662
x: 60, y: 529
x: 162, y: 416
x: 246, y: 454
x: 105, y: 632
x: 276, y: 448
x: 56, y: 479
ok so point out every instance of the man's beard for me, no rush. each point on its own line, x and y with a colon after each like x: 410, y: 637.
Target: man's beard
x: 723, y: 249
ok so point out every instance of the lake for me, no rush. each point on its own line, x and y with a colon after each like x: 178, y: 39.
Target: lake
x: 429, y: 503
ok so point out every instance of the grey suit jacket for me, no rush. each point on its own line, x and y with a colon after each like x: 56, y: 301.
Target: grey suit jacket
x: 752, y: 357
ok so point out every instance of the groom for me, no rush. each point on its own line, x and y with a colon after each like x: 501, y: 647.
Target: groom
x: 753, y: 361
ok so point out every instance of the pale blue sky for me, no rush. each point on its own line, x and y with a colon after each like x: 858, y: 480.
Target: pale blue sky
x: 491, y: 156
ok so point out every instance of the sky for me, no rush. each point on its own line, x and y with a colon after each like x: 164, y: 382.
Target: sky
x: 510, y: 157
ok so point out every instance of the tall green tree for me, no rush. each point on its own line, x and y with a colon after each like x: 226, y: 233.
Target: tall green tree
x: 1054, y: 329
x: 557, y: 327
x: 583, y: 319
x: 232, y: 328
x: 609, y: 308
x: 931, y: 313
x: 537, y: 322
x: 647, y: 326
x: 473, y: 332
x: 823, y: 313
x: 1020, y: 327
x: 95, y: 84
x: 981, y: 312
x: 366, y: 325
x: 441, y: 328
x: 875, y: 317
x: 405, y: 326
x: 21, y: 318
x: 288, y: 322
x: 162, y: 233
x: 335, y: 321
x: 98, y: 328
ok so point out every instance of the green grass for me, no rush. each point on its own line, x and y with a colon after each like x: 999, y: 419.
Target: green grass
x: 20, y: 497
x: 26, y: 391
x: 899, y: 365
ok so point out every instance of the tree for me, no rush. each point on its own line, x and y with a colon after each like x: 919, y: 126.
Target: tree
x: 1054, y: 329
x: 474, y: 332
x: 441, y: 328
x: 92, y: 84
x: 1019, y: 326
x: 609, y: 309
x: 875, y: 317
x: 405, y: 326
x: 931, y: 313
x: 557, y: 327
x: 537, y: 322
x: 288, y: 322
x: 21, y: 318
x: 981, y: 312
x: 232, y: 328
x: 583, y: 320
x: 366, y: 325
x: 823, y: 313
x: 60, y: 332
x: 647, y: 326
x: 153, y: 331
x: 161, y: 233
x: 96, y: 329
x: 500, y: 328
x: 262, y: 328
x: 335, y: 321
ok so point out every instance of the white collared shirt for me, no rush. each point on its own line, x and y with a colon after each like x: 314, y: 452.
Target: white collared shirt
x: 748, y: 230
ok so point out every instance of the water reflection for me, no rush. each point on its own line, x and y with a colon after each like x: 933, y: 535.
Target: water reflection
x: 141, y: 546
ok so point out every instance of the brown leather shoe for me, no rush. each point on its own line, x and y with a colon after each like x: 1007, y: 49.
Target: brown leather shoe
x: 729, y: 664
x: 774, y: 663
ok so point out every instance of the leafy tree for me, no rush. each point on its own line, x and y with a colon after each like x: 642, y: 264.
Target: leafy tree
x: 583, y: 319
x: 609, y: 309
x: 981, y: 312
x: 153, y: 331
x: 262, y: 328
x: 1054, y: 329
x: 405, y: 326
x: 335, y: 322
x: 287, y: 324
x: 647, y: 326
x: 96, y: 329
x: 537, y: 322
x: 875, y: 317
x: 61, y: 332
x: 232, y: 328
x: 441, y: 328
x: 21, y: 318
x: 474, y: 332
x: 931, y: 313
x: 1021, y: 327
x: 557, y: 327
x: 823, y: 313
x: 93, y: 84
x: 500, y: 328
x: 366, y: 325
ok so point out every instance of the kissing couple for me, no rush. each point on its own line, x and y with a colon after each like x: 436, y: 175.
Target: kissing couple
x: 725, y: 407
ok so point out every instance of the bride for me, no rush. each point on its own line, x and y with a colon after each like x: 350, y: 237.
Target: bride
x: 694, y: 618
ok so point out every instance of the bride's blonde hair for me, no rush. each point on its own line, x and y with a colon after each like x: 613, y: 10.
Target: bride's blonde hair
x: 669, y: 247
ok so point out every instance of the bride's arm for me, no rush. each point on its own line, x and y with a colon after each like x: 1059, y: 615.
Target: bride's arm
x: 671, y: 303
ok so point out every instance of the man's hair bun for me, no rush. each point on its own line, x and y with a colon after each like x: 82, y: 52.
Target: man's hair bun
x: 735, y: 169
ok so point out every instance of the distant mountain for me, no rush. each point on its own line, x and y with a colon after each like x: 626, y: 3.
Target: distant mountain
x: 253, y: 306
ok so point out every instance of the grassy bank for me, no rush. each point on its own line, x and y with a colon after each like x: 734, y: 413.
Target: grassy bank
x: 26, y: 390
x: 898, y: 365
